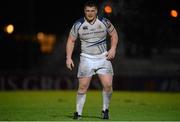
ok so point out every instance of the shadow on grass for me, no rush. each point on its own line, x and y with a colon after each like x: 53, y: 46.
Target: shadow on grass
x: 95, y: 117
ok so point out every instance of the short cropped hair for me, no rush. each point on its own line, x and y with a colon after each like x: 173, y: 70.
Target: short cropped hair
x: 90, y: 4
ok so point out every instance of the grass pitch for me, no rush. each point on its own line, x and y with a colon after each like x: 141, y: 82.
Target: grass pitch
x: 60, y: 105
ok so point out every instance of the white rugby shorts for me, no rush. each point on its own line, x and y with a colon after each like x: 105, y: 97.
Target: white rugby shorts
x: 90, y: 65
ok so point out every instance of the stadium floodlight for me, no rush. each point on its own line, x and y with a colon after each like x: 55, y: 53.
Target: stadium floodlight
x: 108, y: 9
x: 174, y: 13
x: 46, y: 41
x: 9, y: 29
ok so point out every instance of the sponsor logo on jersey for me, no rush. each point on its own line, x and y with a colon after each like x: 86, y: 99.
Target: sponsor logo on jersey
x: 85, y: 27
x: 93, y: 29
x: 100, y: 27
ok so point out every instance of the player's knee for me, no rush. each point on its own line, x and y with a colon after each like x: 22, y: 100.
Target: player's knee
x: 83, y: 88
x: 108, y: 88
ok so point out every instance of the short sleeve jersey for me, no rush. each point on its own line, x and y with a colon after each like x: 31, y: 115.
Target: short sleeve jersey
x: 92, y: 36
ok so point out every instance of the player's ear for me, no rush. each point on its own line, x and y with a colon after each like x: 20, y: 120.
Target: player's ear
x: 96, y: 11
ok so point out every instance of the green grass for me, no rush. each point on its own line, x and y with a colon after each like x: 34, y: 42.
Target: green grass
x: 60, y: 105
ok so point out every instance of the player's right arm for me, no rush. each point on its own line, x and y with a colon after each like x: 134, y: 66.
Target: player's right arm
x: 73, y: 35
x: 69, y: 51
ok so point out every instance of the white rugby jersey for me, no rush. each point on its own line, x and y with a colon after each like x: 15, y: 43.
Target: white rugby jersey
x: 92, y: 36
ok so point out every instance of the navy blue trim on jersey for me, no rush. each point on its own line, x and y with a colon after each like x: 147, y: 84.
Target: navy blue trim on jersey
x: 97, y: 43
x: 90, y: 42
x: 101, y: 50
x: 100, y: 18
x: 81, y: 20
x: 111, y: 30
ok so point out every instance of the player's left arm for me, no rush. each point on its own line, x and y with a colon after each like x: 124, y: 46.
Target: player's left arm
x: 114, y: 41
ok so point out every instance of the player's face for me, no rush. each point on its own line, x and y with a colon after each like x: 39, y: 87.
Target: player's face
x: 90, y: 13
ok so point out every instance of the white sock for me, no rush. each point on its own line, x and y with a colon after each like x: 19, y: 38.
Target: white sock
x: 80, y: 100
x: 106, y: 99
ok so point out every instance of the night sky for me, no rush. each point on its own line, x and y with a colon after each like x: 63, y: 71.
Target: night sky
x: 56, y: 16
x: 144, y: 23
x: 41, y: 15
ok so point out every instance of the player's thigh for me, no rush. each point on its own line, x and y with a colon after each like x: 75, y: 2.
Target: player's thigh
x: 106, y: 79
x: 84, y: 82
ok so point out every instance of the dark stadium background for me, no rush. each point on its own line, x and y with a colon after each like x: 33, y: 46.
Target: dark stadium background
x: 148, y: 54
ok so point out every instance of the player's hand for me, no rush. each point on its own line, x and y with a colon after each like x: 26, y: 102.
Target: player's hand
x: 69, y: 63
x: 111, y: 54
